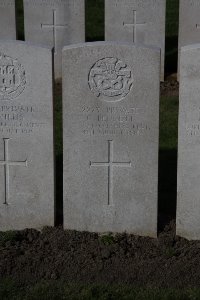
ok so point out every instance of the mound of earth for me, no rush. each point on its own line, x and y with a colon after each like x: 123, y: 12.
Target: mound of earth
x: 170, y: 87
x: 29, y: 256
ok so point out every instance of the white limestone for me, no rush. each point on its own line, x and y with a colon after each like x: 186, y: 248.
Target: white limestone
x: 26, y: 137
x: 54, y: 23
x: 189, y: 24
x: 188, y: 204
x: 7, y: 20
x: 110, y: 116
x: 137, y: 21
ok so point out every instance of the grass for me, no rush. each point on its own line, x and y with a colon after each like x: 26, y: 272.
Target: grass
x: 94, y: 20
x: 168, y: 158
x: 108, y: 239
x: 8, y: 236
x: 171, y: 49
x: 168, y: 123
x: 56, y: 290
x: 172, y: 15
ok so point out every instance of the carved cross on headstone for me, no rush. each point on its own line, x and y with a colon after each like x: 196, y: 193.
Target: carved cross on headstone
x: 110, y: 164
x: 54, y: 27
x: 134, y: 25
x: 7, y: 164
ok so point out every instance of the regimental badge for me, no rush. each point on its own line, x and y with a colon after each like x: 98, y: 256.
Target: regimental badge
x: 111, y: 78
x: 12, y: 78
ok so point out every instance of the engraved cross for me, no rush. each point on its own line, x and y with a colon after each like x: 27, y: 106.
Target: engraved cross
x: 134, y: 25
x: 7, y: 164
x: 110, y: 164
x: 54, y: 27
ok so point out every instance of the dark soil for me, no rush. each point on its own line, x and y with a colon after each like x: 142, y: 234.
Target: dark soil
x: 170, y: 87
x: 29, y: 256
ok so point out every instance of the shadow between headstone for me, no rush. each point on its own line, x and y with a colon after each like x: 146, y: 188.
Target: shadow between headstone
x: 167, y: 187
x: 94, y: 20
x: 171, y: 54
x: 20, y: 19
x: 59, y: 191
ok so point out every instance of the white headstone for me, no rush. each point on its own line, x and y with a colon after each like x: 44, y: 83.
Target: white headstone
x: 137, y: 21
x: 26, y: 136
x: 54, y: 23
x: 7, y: 20
x: 110, y: 115
x: 189, y: 24
x: 188, y: 204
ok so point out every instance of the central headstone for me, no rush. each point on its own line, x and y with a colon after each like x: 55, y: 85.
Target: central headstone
x: 54, y: 23
x: 7, y: 20
x: 26, y: 137
x: 137, y: 21
x: 111, y: 108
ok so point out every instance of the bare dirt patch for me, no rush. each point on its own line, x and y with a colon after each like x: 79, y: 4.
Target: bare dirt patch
x: 30, y: 256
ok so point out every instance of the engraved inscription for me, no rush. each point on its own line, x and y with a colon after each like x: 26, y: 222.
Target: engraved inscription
x: 134, y: 25
x: 110, y: 78
x: 193, y: 127
x: 54, y: 28
x: 12, y: 78
x: 115, y: 121
x: 20, y: 119
x: 48, y: 3
x: 7, y: 3
x: 141, y: 3
x: 193, y: 3
x: 7, y: 164
x: 110, y: 164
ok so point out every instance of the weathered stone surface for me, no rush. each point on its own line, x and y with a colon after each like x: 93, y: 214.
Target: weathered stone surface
x: 138, y: 21
x: 189, y: 24
x: 188, y: 204
x: 111, y: 107
x: 26, y: 136
x: 7, y: 20
x: 54, y: 23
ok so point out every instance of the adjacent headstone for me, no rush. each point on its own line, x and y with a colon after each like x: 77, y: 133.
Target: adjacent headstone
x: 189, y: 24
x: 110, y: 115
x: 26, y: 136
x: 137, y: 21
x: 7, y: 20
x: 54, y: 23
x: 188, y: 204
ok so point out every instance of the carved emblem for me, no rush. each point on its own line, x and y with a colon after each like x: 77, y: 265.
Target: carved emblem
x: 12, y: 78
x: 111, y: 78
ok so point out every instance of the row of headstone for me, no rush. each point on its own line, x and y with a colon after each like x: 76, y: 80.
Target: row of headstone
x: 111, y: 112
x: 110, y: 109
x: 111, y: 121
x: 49, y: 23
x: 56, y: 23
